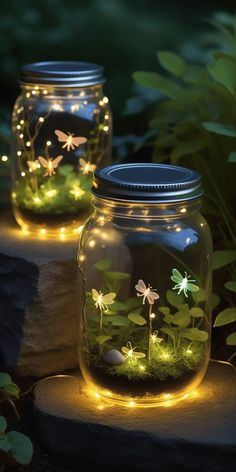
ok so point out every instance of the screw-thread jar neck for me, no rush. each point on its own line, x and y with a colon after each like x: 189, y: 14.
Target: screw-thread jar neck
x: 146, y: 211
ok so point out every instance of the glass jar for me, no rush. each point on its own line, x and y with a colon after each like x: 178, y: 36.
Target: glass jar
x: 145, y: 262
x: 62, y: 129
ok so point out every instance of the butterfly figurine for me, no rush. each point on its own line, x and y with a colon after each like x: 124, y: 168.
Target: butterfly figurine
x: 101, y: 301
x: 146, y: 292
x: 86, y: 167
x: 33, y: 165
x: 130, y: 353
x: 184, y: 284
x: 50, y: 164
x: 70, y: 141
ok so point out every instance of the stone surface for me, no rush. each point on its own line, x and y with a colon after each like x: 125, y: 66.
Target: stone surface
x: 197, y: 434
x: 38, y: 302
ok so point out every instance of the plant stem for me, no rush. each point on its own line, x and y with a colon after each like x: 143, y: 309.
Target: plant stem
x: 149, y: 331
x: 100, y: 322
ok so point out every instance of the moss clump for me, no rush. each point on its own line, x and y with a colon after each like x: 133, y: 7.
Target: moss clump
x: 164, y: 363
x: 66, y: 192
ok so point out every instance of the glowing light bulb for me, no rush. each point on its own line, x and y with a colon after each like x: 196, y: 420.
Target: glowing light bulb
x: 18, y: 126
x: 105, y: 128
x: 37, y: 200
x: 131, y: 404
x: 28, y: 144
x: 42, y: 231
x: 27, y: 95
x: 41, y: 119
x: 51, y: 193
x: 45, y: 92
x: 4, y: 158
x: 34, y: 92
x: 21, y: 136
x: 22, y: 122
x: 183, y: 210
x: 92, y: 243
x: 48, y: 143
x: 22, y: 174
x: 152, y: 316
x: 101, y: 103
x: 105, y: 100
x: 62, y: 230
x: 189, y: 351
x: 19, y: 153
x: 178, y: 229
x: 142, y: 368
x: 97, y: 395
x: 165, y: 355
x: 106, y: 117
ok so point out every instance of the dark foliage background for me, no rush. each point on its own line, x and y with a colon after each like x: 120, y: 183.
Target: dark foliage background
x: 124, y: 35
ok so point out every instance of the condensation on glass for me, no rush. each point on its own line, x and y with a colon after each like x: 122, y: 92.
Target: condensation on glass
x: 62, y: 129
x: 145, y: 264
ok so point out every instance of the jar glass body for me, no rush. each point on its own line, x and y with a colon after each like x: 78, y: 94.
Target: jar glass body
x: 145, y: 318
x: 60, y: 136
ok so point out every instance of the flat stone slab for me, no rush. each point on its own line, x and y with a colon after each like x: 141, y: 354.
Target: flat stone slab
x: 38, y: 301
x: 196, y: 434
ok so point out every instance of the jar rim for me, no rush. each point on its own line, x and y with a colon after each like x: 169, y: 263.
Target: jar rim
x: 62, y: 73
x: 145, y: 182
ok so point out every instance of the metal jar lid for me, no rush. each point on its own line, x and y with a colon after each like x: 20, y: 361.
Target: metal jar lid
x: 153, y: 183
x: 62, y: 73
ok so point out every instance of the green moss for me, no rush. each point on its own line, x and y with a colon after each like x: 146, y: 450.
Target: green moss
x: 164, y: 363
x: 55, y: 195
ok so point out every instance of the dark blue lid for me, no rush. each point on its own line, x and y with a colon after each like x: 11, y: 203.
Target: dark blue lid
x: 62, y: 73
x: 152, y: 183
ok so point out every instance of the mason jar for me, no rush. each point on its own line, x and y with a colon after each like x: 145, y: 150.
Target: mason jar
x: 62, y: 128
x: 145, y: 265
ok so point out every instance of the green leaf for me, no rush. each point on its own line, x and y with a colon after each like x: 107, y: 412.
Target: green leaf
x: 5, y: 445
x: 195, y: 334
x: 215, y: 300
x: 231, y: 285
x: 119, y: 321
x: 169, y: 88
x: 21, y: 447
x: 117, y: 275
x: 231, y: 339
x: 103, y: 264
x: 117, y: 306
x: 199, y: 296
x: 168, y: 319
x: 5, y: 379
x: 137, y: 319
x: 172, y: 62
x: 103, y: 339
x: 168, y: 331
x: 223, y: 258
x: 181, y: 319
x: 133, y: 302
x: 188, y: 147
x: 3, y: 424
x: 220, y: 128
x: 174, y: 299
x: 12, y: 390
x: 225, y: 317
x: 65, y: 169
x: 164, y: 310
x: 196, y: 312
x: 223, y: 71
x: 232, y: 157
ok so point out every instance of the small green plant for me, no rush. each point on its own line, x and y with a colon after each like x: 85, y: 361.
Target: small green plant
x: 195, y: 126
x: 128, y: 344
x: 13, y: 444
